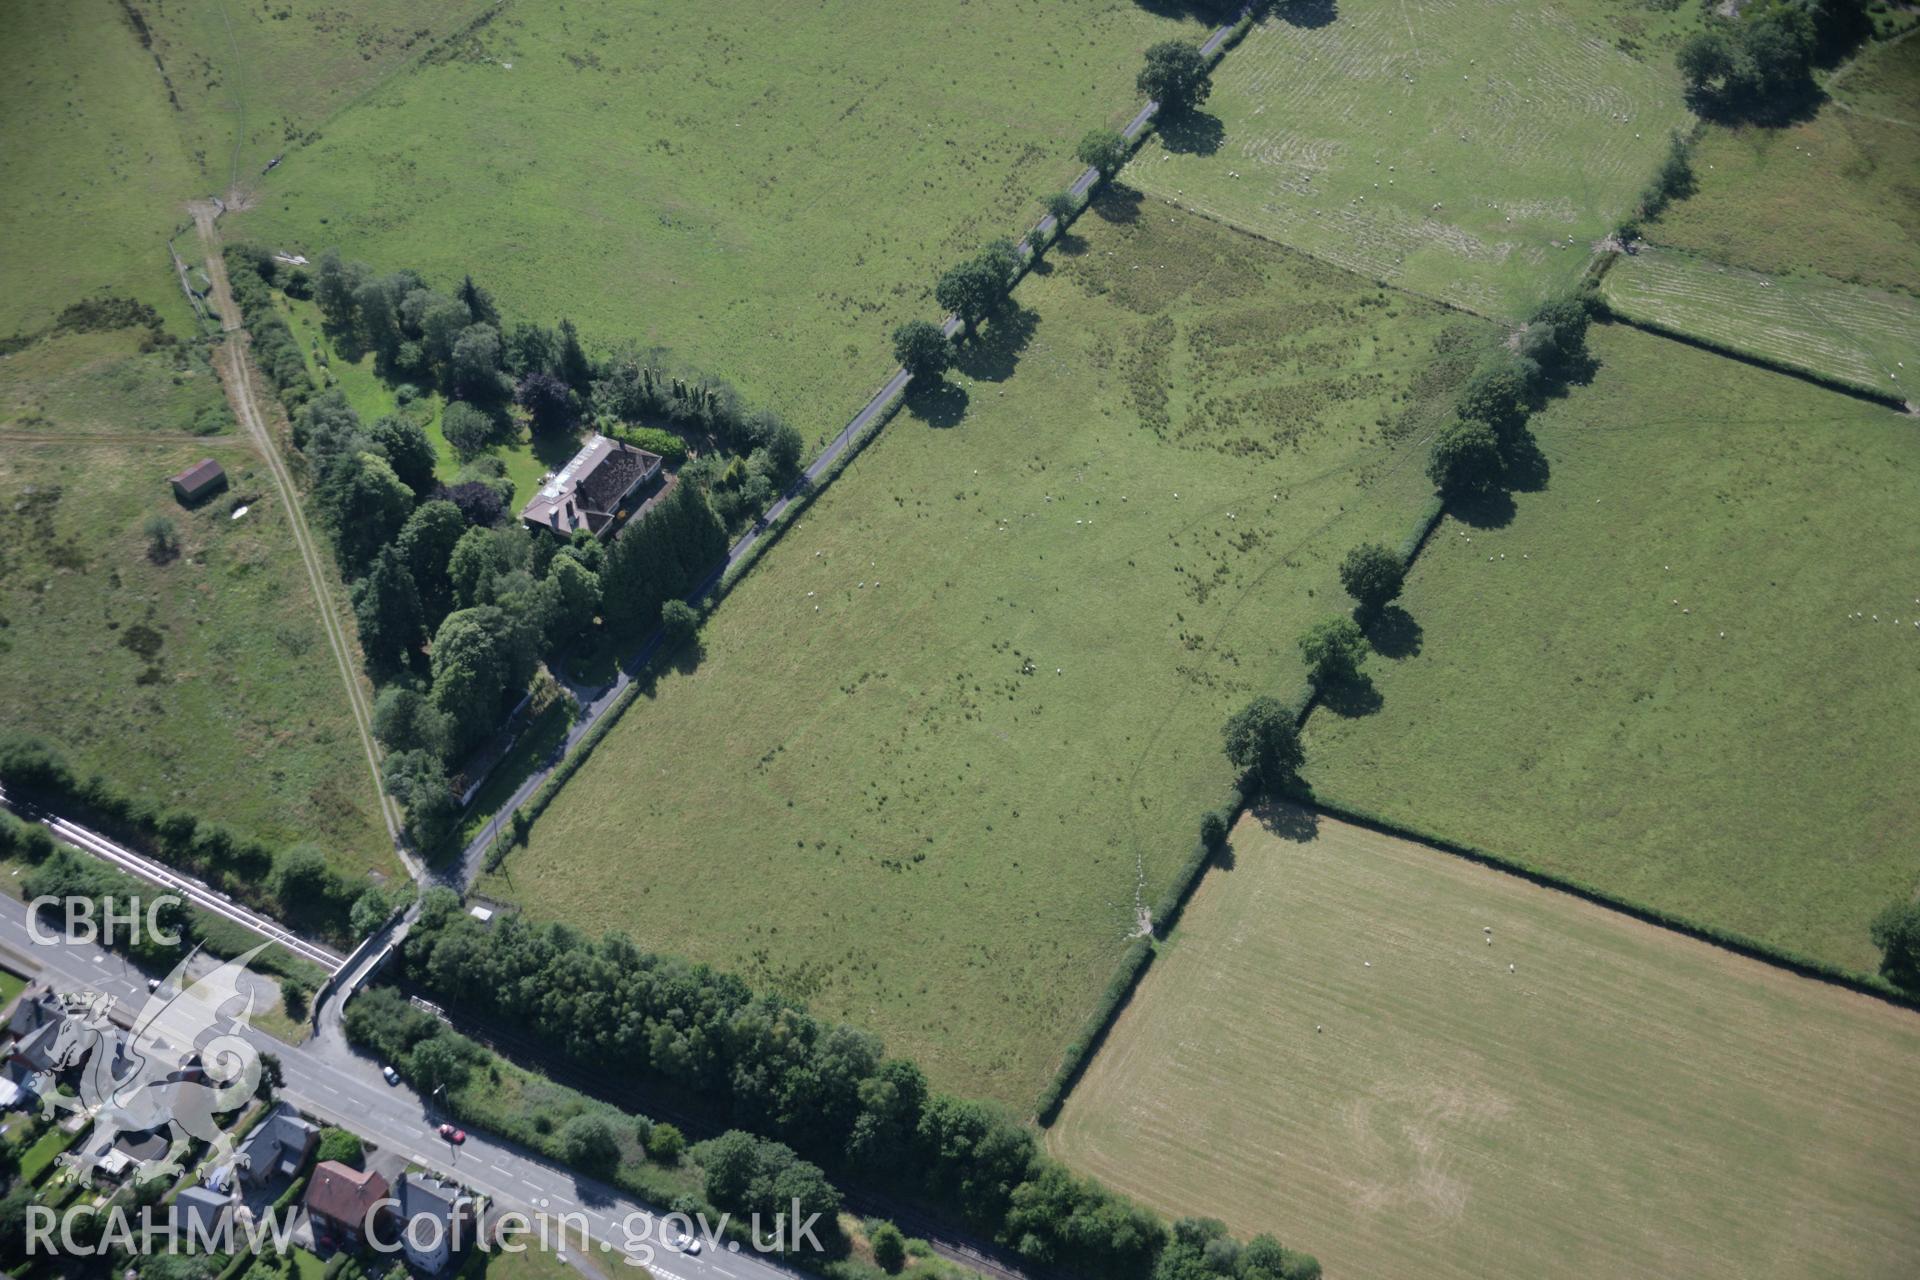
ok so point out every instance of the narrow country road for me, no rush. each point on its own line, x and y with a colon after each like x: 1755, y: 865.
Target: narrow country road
x: 236, y: 371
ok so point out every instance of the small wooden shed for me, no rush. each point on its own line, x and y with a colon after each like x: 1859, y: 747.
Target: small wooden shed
x: 199, y: 481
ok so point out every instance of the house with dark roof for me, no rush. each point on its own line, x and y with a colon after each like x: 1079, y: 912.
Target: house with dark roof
x: 433, y: 1217
x: 198, y: 482
x: 593, y: 490
x: 277, y: 1147
x: 339, y: 1201
x: 198, y: 1213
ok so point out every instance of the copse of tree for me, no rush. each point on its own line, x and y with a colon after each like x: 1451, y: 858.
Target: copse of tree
x: 406, y: 448
x: 1759, y: 63
x: 1334, y: 650
x: 1104, y: 150
x: 889, y: 1247
x: 922, y: 349
x: 973, y: 289
x: 1201, y: 1249
x: 1263, y: 741
x: 1372, y: 575
x: 1465, y: 461
x: 1062, y: 206
x: 660, y: 557
x: 1176, y: 76
x: 679, y: 622
x: 1497, y: 395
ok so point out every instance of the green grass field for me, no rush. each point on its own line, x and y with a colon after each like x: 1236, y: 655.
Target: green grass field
x: 204, y: 682
x: 1473, y: 152
x: 1835, y: 197
x: 961, y: 723
x: 1330, y: 1048
x: 87, y: 204
x: 248, y: 82
x: 1863, y: 337
x: 767, y: 191
x: 1653, y: 679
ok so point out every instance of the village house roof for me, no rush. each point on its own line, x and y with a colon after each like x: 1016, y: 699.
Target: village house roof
x: 203, y: 1206
x: 278, y: 1144
x: 588, y: 491
x: 429, y: 1197
x: 344, y: 1195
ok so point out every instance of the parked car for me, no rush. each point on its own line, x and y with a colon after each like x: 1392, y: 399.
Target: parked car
x: 453, y: 1135
x: 393, y: 1077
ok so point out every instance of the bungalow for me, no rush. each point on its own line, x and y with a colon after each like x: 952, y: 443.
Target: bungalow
x: 278, y: 1146
x: 592, y: 490
x: 199, y: 481
x: 199, y: 1213
x: 339, y: 1202
x: 432, y: 1218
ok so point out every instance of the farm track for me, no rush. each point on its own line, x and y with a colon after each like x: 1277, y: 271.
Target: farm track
x: 236, y: 372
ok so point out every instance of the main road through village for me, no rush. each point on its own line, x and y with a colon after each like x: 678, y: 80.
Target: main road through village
x: 326, y: 1079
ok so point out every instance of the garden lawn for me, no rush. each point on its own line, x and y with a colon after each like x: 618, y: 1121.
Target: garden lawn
x: 1331, y: 1044
x: 1836, y: 197
x: 527, y: 459
x: 1857, y: 336
x: 954, y: 733
x: 94, y: 177
x: 1474, y: 151
x: 203, y: 683
x: 1684, y: 672
x: 768, y: 190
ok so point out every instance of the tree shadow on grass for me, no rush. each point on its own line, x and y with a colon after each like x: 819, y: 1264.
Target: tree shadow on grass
x: 994, y: 351
x: 687, y: 658
x: 1067, y: 244
x: 1393, y: 633
x: 1352, y: 698
x: 1527, y: 468
x: 1493, y: 509
x: 938, y: 404
x: 1114, y: 202
x: 1308, y: 14
x: 1192, y: 133
x: 1287, y: 820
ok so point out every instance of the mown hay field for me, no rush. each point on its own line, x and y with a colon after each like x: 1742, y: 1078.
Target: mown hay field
x: 1329, y: 1045
x: 204, y: 681
x: 958, y: 727
x: 1834, y: 197
x: 767, y: 190
x: 1685, y: 671
x: 1866, y: 338
x: 1470, y: 150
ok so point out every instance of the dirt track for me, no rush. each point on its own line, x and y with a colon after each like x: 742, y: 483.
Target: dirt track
x: 236, y: 374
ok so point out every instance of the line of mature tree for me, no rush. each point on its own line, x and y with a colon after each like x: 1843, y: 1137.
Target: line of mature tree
x: 826, y: 1089
x: 295, y: 883
x: 457, y: 602
x: 1757, y: 62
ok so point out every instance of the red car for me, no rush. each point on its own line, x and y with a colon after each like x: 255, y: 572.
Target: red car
x: 452, y: 1134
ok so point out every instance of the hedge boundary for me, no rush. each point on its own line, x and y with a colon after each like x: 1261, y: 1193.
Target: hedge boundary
x: 1825, y: 381
x: 1172, y: 902
x: 1727, y: 939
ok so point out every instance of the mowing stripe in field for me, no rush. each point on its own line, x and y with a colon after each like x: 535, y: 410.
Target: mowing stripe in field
x: 1333, y: 1046
x: 1862, y: 337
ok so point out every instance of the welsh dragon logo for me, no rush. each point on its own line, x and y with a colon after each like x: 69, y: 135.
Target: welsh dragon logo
x: 155, y: 1078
